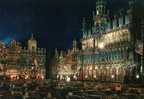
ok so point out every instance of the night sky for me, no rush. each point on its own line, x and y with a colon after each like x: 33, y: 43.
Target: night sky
x: 55, y: 23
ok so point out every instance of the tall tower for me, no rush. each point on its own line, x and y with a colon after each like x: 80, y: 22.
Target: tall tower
x: 100, y: 7
x: 32, y: 43
x: 99, y: 18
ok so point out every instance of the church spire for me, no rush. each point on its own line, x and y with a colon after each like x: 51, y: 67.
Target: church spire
x: 32, y: 36
x: 74, y: 45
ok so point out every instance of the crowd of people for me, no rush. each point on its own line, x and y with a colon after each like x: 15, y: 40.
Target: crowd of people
x: 28, y: 90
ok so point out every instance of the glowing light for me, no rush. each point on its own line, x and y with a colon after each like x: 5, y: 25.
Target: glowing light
x: 107, y: 67
x: 70, y: 93
x: 75, y: 77
x: 86, y: 76
x: 57, y: 76
x: 112, y: 76
x: 97, y: 12
x: 68, y: 79
x: 61, y: 77
x: 26, y: 77
x: 32, y: 67
x: 96, y: 67
x: 90, y: 68
x: 101, y: 45
x: 137, y: 76
x: 42, y: 77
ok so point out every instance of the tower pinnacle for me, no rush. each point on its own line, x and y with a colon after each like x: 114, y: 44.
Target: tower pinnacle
x: 32, y: 36
x: 100, y: 7
x: 74, y: 45
x: 32, y: 43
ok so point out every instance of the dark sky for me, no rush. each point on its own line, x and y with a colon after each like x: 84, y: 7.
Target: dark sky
x: 54, y: 22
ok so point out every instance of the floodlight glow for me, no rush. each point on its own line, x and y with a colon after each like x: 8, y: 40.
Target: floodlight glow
x: 68, y: 79
x: 112, y: 76
x: 137, y: 76
x: 101, y: 45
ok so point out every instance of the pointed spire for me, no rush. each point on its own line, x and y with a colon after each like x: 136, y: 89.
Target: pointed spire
x: 56, y: 53
x: 32, y: 36
x: 74, y: 45
x: 61, y: 54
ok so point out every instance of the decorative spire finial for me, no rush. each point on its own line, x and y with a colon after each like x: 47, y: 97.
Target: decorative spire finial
x: 32, y: 36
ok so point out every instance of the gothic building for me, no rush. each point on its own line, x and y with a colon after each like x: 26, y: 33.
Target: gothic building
x: 18, y: 62
x: 65, y: 64
x: 108, y: 46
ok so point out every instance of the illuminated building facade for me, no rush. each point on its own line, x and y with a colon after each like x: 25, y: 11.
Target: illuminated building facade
x: 18, y: 62
x: 65, y: 68
x: 108, y: 47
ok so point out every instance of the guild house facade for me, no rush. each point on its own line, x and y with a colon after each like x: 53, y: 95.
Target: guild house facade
x: 22, y: 63
x: 112, y: 46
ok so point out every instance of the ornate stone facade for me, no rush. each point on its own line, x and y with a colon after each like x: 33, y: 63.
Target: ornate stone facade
x: 18, y: 62
x: 65, y: 68
x: 108, y: 47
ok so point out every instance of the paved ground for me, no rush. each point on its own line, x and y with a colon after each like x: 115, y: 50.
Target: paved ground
x: 51, y: 90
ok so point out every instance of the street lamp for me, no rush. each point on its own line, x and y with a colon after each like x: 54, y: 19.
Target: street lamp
x: 137, y: 76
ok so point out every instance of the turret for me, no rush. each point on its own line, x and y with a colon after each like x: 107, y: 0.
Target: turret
x: 84, y: 27
x: 56, y: 53
x: 32, y: 44
x: 114, y: 23
x: 74, y: 45
x: 100, y: 18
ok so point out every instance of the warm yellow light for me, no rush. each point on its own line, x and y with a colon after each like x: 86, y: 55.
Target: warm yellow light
x: 75, y: 77
x: 112, y: 76
x: 68, y: 79
x: 97, y: 12
x: 90, y: 68
x: 101, y: 45
x: 42, y: 77
x: 26, y: 76
x: 96, y: 67
x: 137, y: 76
x: 86, y: 76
